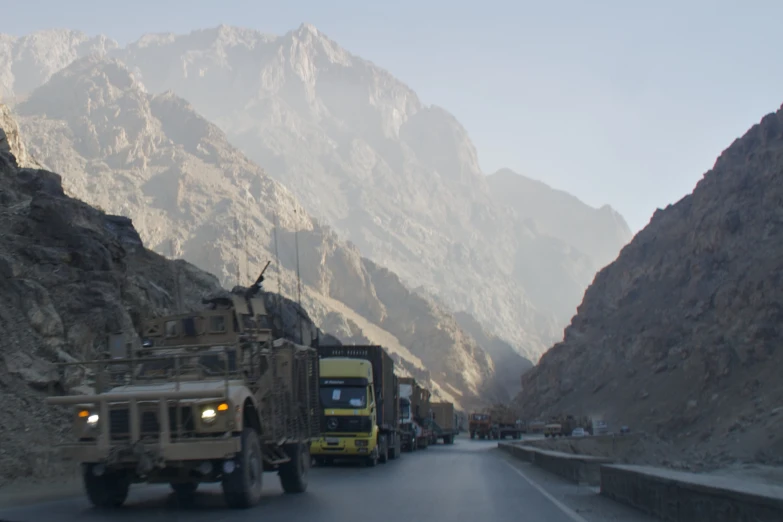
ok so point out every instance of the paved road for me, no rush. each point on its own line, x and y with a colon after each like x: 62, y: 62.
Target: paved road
x: 470, y: 481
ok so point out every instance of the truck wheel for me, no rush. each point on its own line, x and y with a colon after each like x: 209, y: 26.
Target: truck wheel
x: 110, y: 490
x: 372, y: 460
x: 448, y: 439
x: 242, y: 488
x: 293, y: 474
x: 472, y: 435
x: 383, y: 450
x: 396, y: 449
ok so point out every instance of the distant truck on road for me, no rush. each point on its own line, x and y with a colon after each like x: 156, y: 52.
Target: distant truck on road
x: 479, y: 425
x: 444, y: 422
x: 360, y: 398
x: 505, y: 423
x: 411, y: 403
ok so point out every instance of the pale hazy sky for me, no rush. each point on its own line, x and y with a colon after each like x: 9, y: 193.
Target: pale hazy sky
x: 616, y: 101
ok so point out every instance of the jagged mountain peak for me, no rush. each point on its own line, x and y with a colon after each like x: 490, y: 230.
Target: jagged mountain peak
x: 43, y: 54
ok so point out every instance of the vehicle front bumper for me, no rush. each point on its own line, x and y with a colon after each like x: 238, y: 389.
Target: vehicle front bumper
x: 343, y: 446
x: 175, y: 451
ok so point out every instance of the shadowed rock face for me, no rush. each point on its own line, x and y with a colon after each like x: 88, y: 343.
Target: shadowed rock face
x: 681, y: 335
x: 190, y: 193
x: 363, y: 154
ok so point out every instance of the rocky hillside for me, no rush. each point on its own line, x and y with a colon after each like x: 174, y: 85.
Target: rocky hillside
x: 70, y: 275
x: 681, y: 335
x: 399, y: 179
x: 153, y: 158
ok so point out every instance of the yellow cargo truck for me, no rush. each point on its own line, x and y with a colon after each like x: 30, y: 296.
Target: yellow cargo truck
x: 360, y: 398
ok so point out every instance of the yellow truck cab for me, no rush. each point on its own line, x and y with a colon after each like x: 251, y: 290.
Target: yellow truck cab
x: 347, y: 396
x: 359, y: 397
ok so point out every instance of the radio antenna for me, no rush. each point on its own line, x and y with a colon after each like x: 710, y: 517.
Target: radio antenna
x: 298, y: 278
x: 236, y: 248
x: 177, y: 290
x: 247, y: 235
x: 279, y: 279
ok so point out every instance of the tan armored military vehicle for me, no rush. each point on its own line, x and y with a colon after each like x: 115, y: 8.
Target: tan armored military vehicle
x: 205, y: 396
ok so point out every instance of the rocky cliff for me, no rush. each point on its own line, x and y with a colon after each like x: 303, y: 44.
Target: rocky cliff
x: 681, y: 335
x: 363, y: 154
x: 191, y: 193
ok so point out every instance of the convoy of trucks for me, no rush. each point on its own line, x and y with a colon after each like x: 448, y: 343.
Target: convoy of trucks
x: 210, y: 396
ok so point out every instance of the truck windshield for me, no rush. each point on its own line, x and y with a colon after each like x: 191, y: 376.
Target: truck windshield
x: 405, y: 408
x: 344, y: 396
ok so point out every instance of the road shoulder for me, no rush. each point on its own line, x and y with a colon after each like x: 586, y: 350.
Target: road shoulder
x: 580, y: 503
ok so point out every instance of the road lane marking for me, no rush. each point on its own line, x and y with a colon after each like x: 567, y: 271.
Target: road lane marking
x: 573, y: 515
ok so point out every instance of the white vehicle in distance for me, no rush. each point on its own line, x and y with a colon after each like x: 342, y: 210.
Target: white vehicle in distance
x: 579, y: 432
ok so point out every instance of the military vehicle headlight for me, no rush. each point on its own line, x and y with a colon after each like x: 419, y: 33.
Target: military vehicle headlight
x: 92, y: 418
x: 209, y: 414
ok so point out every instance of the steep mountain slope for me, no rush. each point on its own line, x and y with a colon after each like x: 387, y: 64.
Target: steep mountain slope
x: 70, y: 275
x: 397, y: 178
x: 357, y: 147
x: 154, y: 159
x: 681, y: 335
x: 599, y: 233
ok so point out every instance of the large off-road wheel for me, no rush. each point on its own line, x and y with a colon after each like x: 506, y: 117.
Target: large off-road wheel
x: 242, y: 488
x: 472, y: 435
x: 293, y: 474
x: 110, y: 490
x: 448, y: 439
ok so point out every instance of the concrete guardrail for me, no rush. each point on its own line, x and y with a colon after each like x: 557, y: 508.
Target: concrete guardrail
x: 673, y: 496
x: 688, y: 497
x: 581, y: 469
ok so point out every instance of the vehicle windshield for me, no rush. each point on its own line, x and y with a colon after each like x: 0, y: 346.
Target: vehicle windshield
x: 210, y: 364
x: 344, y: 396
x: 405, y: 408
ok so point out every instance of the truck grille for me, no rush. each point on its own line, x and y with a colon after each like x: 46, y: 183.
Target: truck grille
x: 346, y: 424
x: 119, y: 422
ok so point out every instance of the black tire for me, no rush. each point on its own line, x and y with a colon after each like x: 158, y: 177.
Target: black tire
x: 293, y: 474
x: 242, y: 488
x: 396, y: 449
x: 472, y: 435
x: 110, y: 490
x: 372, y: 460
x: 383, y: 450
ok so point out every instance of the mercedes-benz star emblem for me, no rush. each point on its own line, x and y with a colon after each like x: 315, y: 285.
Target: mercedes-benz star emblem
x: 331, y: 424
